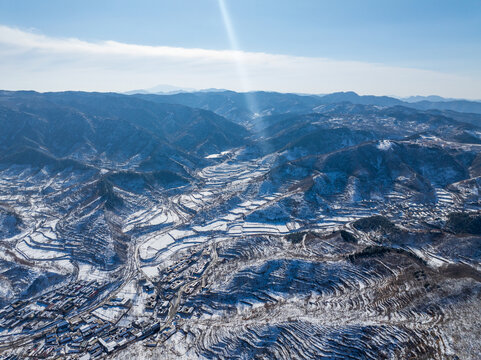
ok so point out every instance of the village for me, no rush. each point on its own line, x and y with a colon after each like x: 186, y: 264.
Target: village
x: 70, y: 322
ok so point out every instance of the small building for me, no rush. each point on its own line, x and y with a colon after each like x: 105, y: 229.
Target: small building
x: 108, y: 346
x: 148, y: 288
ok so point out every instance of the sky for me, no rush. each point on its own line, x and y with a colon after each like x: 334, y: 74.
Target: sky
x: 395, y: 47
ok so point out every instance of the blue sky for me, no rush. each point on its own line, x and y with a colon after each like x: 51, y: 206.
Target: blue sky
x: 441, y: 39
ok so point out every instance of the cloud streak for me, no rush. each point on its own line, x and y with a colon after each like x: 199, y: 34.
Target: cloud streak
x: 29, y: 60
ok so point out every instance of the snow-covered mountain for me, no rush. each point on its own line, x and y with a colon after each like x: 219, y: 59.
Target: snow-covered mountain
x: 229, y: 225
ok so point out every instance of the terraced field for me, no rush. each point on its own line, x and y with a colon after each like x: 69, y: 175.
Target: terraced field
x: 335, y: 235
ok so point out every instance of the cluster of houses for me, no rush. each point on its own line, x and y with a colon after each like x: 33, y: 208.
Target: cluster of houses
x: 40, y: 313
x: 61, y: 324
x: 87, y: 337
x: 184, y: 273
x: 74, y: 295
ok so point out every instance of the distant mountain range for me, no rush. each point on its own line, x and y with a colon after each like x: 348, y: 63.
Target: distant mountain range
x: 243, y: 108
x: 168, y: 89
x: 160, y: 89
x: 433, y: 98
x: 417, y: 101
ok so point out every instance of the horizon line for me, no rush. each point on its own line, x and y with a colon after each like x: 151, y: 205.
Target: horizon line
x: 218, y: 90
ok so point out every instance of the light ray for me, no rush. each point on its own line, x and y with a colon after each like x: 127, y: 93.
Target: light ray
x: 239, y: 61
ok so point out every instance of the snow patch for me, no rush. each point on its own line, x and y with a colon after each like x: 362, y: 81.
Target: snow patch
x: 384, y: 145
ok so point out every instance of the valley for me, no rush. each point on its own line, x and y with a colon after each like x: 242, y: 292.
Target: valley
x: 321, y: 229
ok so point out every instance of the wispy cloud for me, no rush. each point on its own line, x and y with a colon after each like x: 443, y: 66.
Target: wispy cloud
x: 29, y: 60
